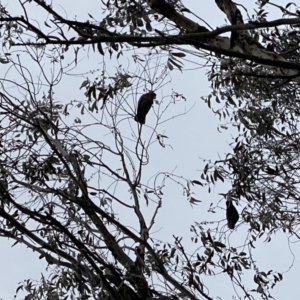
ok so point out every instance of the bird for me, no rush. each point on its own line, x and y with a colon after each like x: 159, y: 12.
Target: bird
x: 144, y: 104
x: 232, y: 214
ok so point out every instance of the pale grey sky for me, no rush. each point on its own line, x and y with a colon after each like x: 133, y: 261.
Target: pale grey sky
x: 192, y: 137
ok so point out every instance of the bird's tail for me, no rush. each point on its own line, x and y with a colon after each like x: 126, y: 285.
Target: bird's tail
x: 230, y: 225
x: 142, y: 121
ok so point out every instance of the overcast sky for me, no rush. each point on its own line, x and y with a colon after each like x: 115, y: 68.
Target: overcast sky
x: 192, y: 137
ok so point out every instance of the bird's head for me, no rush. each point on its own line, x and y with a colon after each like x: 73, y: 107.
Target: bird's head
x: 228, y: 203
x: 152, y: 94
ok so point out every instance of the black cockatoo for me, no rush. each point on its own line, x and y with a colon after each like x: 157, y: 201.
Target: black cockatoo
x: 232, y: 214
x: 144, y: 105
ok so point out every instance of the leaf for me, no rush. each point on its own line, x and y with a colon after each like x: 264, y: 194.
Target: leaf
x: 149, y: 192
x: 178, y: 54
x: 220, y: 177
x: 19, y: 288
x: 148, y: 26
x: 4, y: 61
x: 215, y: 175
x: 175, y: 63
x: 172, y: 252
x: 205, y: 169
x: 86, y: 157
x: 146, y: 198
x: 219, y: 244
x: 170, y: 65
x: 139, y: 22
x: 197, y: 182
x: 46, y: 24
x: 193, y: 200
x: 230, y: 100
x: 15, y: 243
x: 114, y: 46
x: 84, y: 84
x: 289, y: 4
x: 82, y: 38
x: 100, y: 49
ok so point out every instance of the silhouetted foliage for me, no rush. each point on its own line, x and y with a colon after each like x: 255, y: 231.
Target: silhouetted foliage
x: 72, y: 164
